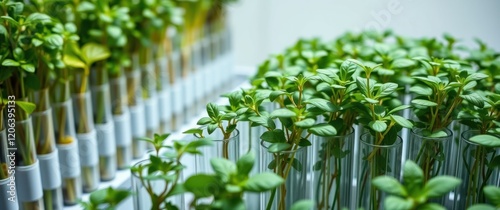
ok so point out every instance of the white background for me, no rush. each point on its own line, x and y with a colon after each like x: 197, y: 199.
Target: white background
x: 262, y: 27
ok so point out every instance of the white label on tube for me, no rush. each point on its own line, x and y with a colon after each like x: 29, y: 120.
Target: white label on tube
x: 69, y: 161
x: 49, y: 170
x: 29, y: 183
x: 8, y: 194
x: 177, y: 96
x: 188, y: 90
x: 137, y: 121
x: 123, y: 132
x: 164, y: 105
x: 210, y: 77
x: 199, y: 83
x: 152, y: 118
x: 87, y: 148
x: 106, y: 138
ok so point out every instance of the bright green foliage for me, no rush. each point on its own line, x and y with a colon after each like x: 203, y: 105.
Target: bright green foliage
x: 229, y: 183
x: 108, y: 198
x: 493, y: 195
x: 414, y: 192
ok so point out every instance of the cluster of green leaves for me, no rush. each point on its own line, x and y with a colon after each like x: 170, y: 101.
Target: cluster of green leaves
x: 378, y: 106
x: 224, y: 118
x: 108, y: 198
x: 165, y: 168
x: 485, y: 119
x: 414, y: 192
x: 229, y: 183
x: 493, y: 195
x: 440, y: 91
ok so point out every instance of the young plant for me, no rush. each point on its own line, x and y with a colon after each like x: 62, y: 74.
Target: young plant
x: 288, y: 127
x: 415, y: 191
x: 484, y: 123
x: 379, y: 116
x: 335, y: 104
x: 223, y: 118
x: 107, y: 198
x: 165, y: 169
x: 229, y: 184
x: 437, y: 101
x: 493, y: 195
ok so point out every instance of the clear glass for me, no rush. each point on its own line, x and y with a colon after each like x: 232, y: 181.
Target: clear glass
x: 374, y: 160
x: 433, y: 155
x: 292, y: 166
x: 25, y: 143
x: 332, y: 184
x: 84, y: 123
x: 134, y: 89
x: 64, y: 131
x: 228, y: 148
x: 26, y: 156
x: 118, y: 89
x: 103, y: 115
x: 4, y: 162
x: 474, y: 171
x: 82, y: 106
x: 45, y: 144
x: 148, y: 80
x: 141, y: 198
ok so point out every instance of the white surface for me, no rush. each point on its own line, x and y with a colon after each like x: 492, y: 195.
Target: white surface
x: 68, y: 160
x: 263, y: 27
x: 122, y: 130
x: 87, y: 148
x: 106, y: 138
x: 49, y: 165
x: 28, y: 183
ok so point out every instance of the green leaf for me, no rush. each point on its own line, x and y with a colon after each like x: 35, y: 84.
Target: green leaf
x: 28, y: 67
x: 423, y: 102
x: 389, y: 185
x: 378, y: 126
x: 193, y: 131
x: 211, y: 128
x: 114, y: 31
x: 493, y: 194
x: 303, y: 205
x: 474, y: 99
x: 475, y: 77
x: 99, y: 196
x: 439, y: 186
x: 73, y: 62
x: 323, y: 129
x: 403, y: 63
x: 413, y: 176
x: 397, y: 203
x: 283, y: 113
x: 306, y: 123
x: 273, y: 136
x: 213, y: 110
x: 278, y: 147
x: 204, y: 121
x: 275, y: 94
x: 10, y: 62
x: 93, y: 52
x: 54, y: 40
x: 482, y: 207
x: 323, y: 104
x: 245, y: 163
x: 421, y: 90
x: 402, y: 121
x: 263, y: 182
x: 399, y: 108
x: 486, y: 140
x: 362, y: 85
x: 386, y: 89
x: 27, y: 107
x: 202, y: 185
x: 431, y: 206
x: 223, y: 168
x: 37, y: 18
